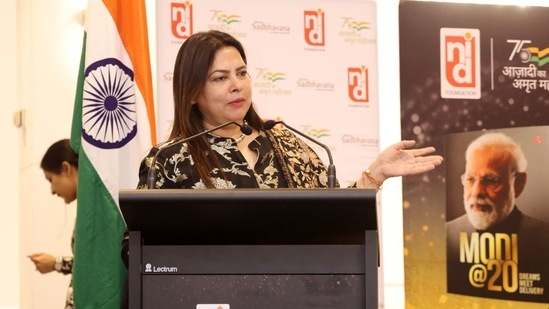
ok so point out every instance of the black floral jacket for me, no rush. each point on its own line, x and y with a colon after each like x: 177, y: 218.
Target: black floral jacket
x: 284, y: 161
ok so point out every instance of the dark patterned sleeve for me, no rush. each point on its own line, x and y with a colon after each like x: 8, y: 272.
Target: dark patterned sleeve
x: 171, y: 169
x: 67, y: 261
x: 66, y: 265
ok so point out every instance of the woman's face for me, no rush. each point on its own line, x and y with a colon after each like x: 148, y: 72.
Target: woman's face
x: 64, y: 184
x: 227, y: 93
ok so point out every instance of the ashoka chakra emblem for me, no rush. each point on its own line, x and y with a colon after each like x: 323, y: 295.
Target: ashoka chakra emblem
x: 108, y: 108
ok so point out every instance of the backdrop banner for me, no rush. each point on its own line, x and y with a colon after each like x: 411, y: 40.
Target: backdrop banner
x: 313, y: 65
x: 467, y: 70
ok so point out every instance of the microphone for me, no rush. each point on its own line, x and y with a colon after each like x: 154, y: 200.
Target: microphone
x: 269, y: 124
x: 244, y: 128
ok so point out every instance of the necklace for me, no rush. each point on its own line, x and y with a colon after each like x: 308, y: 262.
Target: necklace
x: 240, y: 138
x: 236, y: 140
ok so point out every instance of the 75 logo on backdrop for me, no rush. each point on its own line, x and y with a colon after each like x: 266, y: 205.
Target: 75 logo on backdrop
x: 459, y: 63
x: 357, y: 84
x: 182, y: 19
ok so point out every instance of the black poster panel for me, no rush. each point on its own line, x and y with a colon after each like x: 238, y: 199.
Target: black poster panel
x: 465, y: 70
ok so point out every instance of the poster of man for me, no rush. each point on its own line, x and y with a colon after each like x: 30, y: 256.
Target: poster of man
x: 497, y: 229
x: 442, y: 49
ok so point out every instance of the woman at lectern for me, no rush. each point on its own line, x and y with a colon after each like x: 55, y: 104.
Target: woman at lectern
x: 218, y: 140
x: 213, y: 92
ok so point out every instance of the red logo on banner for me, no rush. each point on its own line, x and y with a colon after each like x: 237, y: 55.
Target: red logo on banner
x: 460, y: 63
x: 460, y: 60
x: 314, y: 27
x: 358, y: 84
x: 182, y: 19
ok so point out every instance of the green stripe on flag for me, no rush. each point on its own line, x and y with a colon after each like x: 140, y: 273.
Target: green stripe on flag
x: 98, y: 271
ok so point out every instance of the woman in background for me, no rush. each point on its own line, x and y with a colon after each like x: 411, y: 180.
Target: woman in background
x: 60, y: 167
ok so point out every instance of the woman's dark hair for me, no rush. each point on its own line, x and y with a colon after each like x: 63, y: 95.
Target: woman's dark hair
x: 193, y: 61
x: 55, y: 155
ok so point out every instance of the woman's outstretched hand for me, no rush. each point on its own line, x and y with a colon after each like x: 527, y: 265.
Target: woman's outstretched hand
x: 400, y: 160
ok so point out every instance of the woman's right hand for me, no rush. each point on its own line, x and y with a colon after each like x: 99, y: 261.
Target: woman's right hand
x: 44, y: 262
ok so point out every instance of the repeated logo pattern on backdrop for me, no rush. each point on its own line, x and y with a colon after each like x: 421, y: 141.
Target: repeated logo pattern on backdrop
x: 312, y: 64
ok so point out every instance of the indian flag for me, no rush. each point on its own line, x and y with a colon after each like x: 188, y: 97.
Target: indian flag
x: 113, y: 128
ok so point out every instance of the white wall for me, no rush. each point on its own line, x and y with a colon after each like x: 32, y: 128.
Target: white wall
x: 9, y: 221
x: 41, y: 42
x: 391, y: 230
